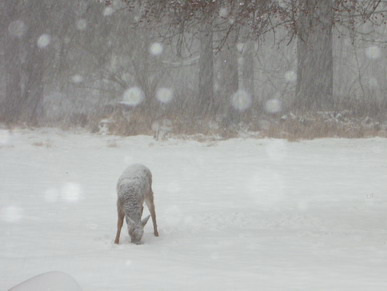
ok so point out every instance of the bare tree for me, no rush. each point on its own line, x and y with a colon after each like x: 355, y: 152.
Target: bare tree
x: 25, y: 60
x: 206, y: 70
x: 228, y: 69
x: 314, y: 54
x: 12, y: 60
x: 310, y: 22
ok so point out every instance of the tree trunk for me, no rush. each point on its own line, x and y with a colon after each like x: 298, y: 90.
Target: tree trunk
x: 34, y: 65
x: 11, y: 107
x: 314, y: 89
x: 33, y: 91
x: 248, y: 68
x: 228, y: 83
x: 24, y: 79
x: 206, y: 71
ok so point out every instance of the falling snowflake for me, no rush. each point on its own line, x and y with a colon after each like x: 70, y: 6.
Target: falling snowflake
x: 44, y: 40
x: 108, y: 11
x: 223, y: 12
x: 283, y: 3
x: 273, y: 105
x: 156, y: 49
x: 71, y: 192
x: 11, y: 214
x: 240, y: 46
x: 17, y: 28
x: 373, y: 52
x: 241, y: 100
x: 133, y: 96
x: 81, y: 24
x: 373, y: 82
x: 164, y: 95
x: 4, y: 136
x: 290, y: 76
x: 77, y: 79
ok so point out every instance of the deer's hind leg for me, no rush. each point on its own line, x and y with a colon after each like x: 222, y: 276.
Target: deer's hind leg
x: 151, y: 206
x: 120, y: 222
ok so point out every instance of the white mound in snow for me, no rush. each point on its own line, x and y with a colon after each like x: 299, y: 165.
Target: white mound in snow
x: 57, y: 281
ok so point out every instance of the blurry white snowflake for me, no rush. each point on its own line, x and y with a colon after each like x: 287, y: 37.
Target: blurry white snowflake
x: 108, y: 11
x: 156, y: 49
x: 241, y: 100
x: 373, y: 82
x: 71, y: 192
x: 81, y: 24
x: 133, y: 96
x: 77, y: 79
x: 284, y: 3
x: 290, y: 76
x: 273, y: 105
x: 11, y: 214
x: 4, y: 136
x: 44, y: 40
x: 223, y: 12
x: 373, y: 52
x: 240, y: 46
x: 164, y: 95
x: 17, y: 28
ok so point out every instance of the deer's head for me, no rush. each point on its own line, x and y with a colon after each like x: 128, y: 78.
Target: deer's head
x: 136, y: 229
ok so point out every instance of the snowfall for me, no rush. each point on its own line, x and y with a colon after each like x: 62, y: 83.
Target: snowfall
x: 240, y: 214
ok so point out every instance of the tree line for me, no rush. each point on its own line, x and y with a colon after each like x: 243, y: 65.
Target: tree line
x: 206, y: 52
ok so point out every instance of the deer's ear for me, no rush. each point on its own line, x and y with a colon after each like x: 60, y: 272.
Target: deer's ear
x: 145, y: 220
x: 129, y: 220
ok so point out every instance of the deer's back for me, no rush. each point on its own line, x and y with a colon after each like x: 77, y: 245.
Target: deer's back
x: 134, y: 183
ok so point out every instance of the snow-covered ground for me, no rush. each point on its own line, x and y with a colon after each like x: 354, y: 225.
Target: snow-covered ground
x: 242, y: 214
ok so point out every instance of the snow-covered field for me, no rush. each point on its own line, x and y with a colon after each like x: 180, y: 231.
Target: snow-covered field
x: 242, y: 214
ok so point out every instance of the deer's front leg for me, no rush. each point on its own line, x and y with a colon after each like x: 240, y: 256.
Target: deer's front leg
x: 120, y: 222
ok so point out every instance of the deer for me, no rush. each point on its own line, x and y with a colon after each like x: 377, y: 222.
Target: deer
x: 134, y: 187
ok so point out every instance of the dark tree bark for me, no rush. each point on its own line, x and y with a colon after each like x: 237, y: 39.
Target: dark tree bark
x: 206, y: 71
x: 314, y: 51
x: 24, y: 63
x: 11, y: 107
x: 228, y: 81
x: 248, y: 68
x: 228, y: 70
x: 33, y: 91
x: 34, y: 65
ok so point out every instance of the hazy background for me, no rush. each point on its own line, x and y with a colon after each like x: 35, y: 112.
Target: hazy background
x: 275, y: 67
